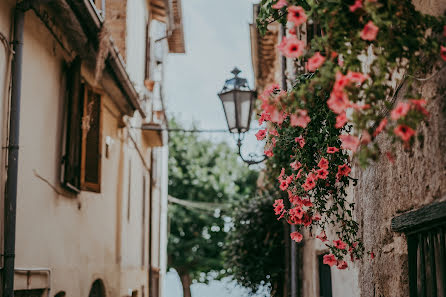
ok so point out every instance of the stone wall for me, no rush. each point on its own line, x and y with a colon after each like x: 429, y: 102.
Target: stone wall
x: 385, y: 190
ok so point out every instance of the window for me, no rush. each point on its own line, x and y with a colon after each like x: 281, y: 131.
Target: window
x: 426, y: 230
x: 81, y: 167
x: 28, y: 293
x: 324, y: 278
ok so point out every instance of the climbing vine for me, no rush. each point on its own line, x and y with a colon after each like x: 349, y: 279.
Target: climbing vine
x: 363, y: 52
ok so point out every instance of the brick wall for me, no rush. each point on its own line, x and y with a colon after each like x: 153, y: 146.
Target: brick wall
x: 116, y: 18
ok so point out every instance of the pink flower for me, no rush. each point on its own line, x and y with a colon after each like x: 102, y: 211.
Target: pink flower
x: 356, y: 77
x: 323, y: 163
x: 343, y: 170
x: 261, y: 134
x: 300, y: 119
x: 341, y: 120
x: 277, y: 116
x: 365, y: 137
x: 296, y: 15
x: 400, y: 110
x: 282, y: 173
x: 300, y: 140
x: 315, y: 62
x: 264, y: 117
x: 341, y: 82
x: 338, y: 101
x: 322, y: 173
x: 370, y: 31
x: 297, y: 212
x: 280, y: 4
x: 390, y: 157
x: 317, y: 217
x: 332, y: 150
x: 372, y: 255
x: 342, y: 265
x: 296, y: 165
x: 443, y: 52
x: 358, y: 4
x: 404, y: 132
x: 310, y: 182
x: 330, y: 260
x: 283, y: 185
x: 291, y: 47
x: 269, y: 152
x: 296, y: 236
x: 349, y: 142
x: 278, y: 206
x: 419, y: 105
x: 339, y: 244
x: 322, y: 236
x: 380, y: 127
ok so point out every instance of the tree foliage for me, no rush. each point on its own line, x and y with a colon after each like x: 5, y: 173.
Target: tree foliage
x: 211, y: 174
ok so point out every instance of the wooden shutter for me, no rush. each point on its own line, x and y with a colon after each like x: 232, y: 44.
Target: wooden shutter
x: 72, y: 158
x: 91, y: 141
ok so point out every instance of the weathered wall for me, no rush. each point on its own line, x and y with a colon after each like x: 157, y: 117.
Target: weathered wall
x: 89, y: 236
x: 417, y: 178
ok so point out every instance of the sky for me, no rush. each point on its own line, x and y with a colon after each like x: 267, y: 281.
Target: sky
x: 217, y: 39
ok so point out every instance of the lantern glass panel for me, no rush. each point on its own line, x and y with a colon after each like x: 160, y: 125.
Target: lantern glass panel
x: 229, y: 107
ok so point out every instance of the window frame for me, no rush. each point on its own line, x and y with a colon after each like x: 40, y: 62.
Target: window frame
x: 420, y: 226
x: 86, y: 185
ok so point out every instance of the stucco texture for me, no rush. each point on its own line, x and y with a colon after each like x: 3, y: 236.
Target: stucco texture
x: 385, y: 190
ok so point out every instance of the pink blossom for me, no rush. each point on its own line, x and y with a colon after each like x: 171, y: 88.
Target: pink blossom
x: 349, y: 142
x: 278, y: 206
x: 296, y: 165
x: 404, y: 132
x: 358, y: 4
x: 339, y: 244
x: 356, y: 77
x: 315, y: 62
x: 317, y: 217
x: 300, y: 140
x: 343, y: 170
x: 261, y: 134
x: 365, y: 137
x: 310, y: 182
x: 332, y: 150
x: 277, y: 117
x: 291, y: 47
x: 297, y: 212
x: 296, y: 15
x: 341, y: 120
x: 370, y: 31
x: 296, y: 236
x: 338, y: 101
x: 380, y: 127
x: 280, y: 4
x: 269, y: 152
x: 322, y: 173
x: 264, y: 117
x: 443, y: 52
x: 300, y: 119
x: 323, y: 163
x: 342, y: 265
x: 419, y: 105
x: 400, y: 110
x: 330, y: 260
x: 322, y: 236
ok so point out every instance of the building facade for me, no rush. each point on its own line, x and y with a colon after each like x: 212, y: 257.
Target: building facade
x: 91, y: 214
x: 400, y: 206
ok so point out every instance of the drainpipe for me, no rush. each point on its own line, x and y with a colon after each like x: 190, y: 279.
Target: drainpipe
x: 13, y: 152
x: 293, y: 245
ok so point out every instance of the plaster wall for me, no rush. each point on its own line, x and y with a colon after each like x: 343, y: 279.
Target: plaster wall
x: 79, y: 237
x: 385, y: 190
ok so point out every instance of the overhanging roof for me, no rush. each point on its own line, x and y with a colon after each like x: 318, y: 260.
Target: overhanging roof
x: 176, y: 39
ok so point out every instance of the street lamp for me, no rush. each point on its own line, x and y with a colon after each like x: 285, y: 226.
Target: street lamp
x: 238, y: 101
